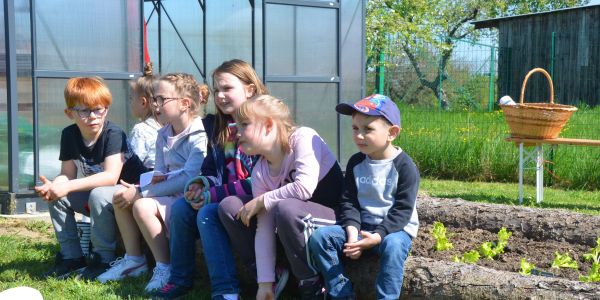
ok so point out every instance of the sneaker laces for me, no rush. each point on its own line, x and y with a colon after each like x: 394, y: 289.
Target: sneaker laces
x: 117, y: 261
x: 160, y: 272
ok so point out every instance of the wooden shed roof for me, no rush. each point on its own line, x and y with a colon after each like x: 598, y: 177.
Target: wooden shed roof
x: 494, y: 22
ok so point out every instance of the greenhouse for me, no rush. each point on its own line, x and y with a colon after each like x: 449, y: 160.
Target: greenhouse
x: 309, y: 53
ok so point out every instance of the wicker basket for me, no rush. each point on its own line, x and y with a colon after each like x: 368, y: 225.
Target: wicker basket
x: 537, y: 120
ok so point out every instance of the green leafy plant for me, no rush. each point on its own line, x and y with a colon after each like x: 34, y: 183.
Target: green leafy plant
x: 469, y: 257
x: 526, y: 267
x: 594, y: 254
x: 593, y: 275
x: 441, y: 241
x: 564, y: 261
x: 490, y: 250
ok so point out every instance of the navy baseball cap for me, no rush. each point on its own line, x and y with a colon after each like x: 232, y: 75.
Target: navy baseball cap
x: 373, y: 105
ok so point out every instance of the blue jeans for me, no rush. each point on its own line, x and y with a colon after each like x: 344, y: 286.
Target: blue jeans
x: 182, y: 243
x: 217, y: 252
x: 326, y: 245
x: 186, y: 224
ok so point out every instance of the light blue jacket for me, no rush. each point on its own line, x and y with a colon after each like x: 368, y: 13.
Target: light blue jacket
x: 186, y: 155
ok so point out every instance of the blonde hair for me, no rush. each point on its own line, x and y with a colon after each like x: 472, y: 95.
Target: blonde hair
x: 265, y: 107
x: 247, y: 75
x: 87, y: 91
x: 204, y: 93
x: 144, y: 87
x: 186, y: 86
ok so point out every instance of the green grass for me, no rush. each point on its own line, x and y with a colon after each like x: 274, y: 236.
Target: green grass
x: 508, y: 193
x: 23, y: 258
x: 470, y: 146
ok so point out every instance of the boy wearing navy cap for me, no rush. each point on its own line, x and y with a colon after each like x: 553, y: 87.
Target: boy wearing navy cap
x: 378, y: 212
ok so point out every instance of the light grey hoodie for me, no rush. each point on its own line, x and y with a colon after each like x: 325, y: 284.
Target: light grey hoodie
x: 185, y: 157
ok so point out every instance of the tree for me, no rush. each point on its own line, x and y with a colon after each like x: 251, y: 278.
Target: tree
x: 439, y: 23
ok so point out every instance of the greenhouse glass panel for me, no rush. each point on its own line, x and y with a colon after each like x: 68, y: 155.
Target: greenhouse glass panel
x: 230, y: 34
x: 352, y: 67
x: 97, y: 36
x: 184, y: 17
x: 51, y: 107
x: 312, y: 105
x: 301, y: 40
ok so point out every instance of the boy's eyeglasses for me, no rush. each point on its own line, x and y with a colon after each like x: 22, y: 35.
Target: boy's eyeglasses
x: 86, y: 112
x: 161, y: 101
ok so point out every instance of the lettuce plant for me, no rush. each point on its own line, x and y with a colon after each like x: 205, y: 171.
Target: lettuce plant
x: 564, y: 261
x: 490, y: 250
x: 441, y: 241
x: 526, y: 267
x: 469, y: 257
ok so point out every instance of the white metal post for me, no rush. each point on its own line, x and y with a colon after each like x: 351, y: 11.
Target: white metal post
x: 521, y: 162
x: 539, y: 172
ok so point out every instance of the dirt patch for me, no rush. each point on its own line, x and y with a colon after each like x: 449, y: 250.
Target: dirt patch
x: 541, y: 254
x: 34, y: 229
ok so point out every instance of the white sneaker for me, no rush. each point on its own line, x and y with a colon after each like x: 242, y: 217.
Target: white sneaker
x: 123, y: 267
x: 159, y: 279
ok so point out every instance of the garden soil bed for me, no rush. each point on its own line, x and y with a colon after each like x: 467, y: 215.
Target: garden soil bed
x: 541, y: 254
x: 536, y: 235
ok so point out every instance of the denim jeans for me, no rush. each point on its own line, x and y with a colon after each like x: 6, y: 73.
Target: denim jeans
x: 186, y: 225
x: 182, y: 243
x: 326, y: 245
x: 217, y: 252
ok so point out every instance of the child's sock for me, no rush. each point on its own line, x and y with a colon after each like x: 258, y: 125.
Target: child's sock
x: 163, y: 266
x: 135, y: 259
x: 230, y: 296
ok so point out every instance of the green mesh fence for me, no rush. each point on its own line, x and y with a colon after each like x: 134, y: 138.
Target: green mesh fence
x: 454, y: 129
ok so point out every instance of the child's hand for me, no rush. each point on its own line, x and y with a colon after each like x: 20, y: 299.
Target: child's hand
x: 368, y: 241
x: 265, y: 291
x: 194, y: 193
x: 42, y: 190
x: 351, y: 234
x: 250, y: 209
x: 125, y: 197
x: 158, y: 178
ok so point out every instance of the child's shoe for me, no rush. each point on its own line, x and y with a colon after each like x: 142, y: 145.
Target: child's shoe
x: 171, y: 291
x: 312, y: 289
x: 64, y: 267
x: 160, y: 277
x: 94, y: 268
x: 123, y: 267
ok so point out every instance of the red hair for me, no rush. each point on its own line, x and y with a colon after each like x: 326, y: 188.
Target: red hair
x: 87, y: 91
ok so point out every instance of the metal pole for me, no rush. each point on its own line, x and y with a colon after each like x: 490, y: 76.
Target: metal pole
x: 539, y: 172
x: 34, y: 92
x: 491, y: 93
x: 380, y: 72
x: 158, y: 15
x: 551, y: 155
x: 521, y: 173
x: 11, y: 95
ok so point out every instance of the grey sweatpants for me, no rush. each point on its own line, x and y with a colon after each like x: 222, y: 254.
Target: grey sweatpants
x: 102, y: 228
x: 295, y: 221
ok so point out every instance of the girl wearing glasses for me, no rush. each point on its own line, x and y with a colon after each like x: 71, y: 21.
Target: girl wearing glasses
x: 94, y: 155
x: 145, y: 210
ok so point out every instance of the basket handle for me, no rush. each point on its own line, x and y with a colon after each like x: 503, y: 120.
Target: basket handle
x: 527, y: 78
